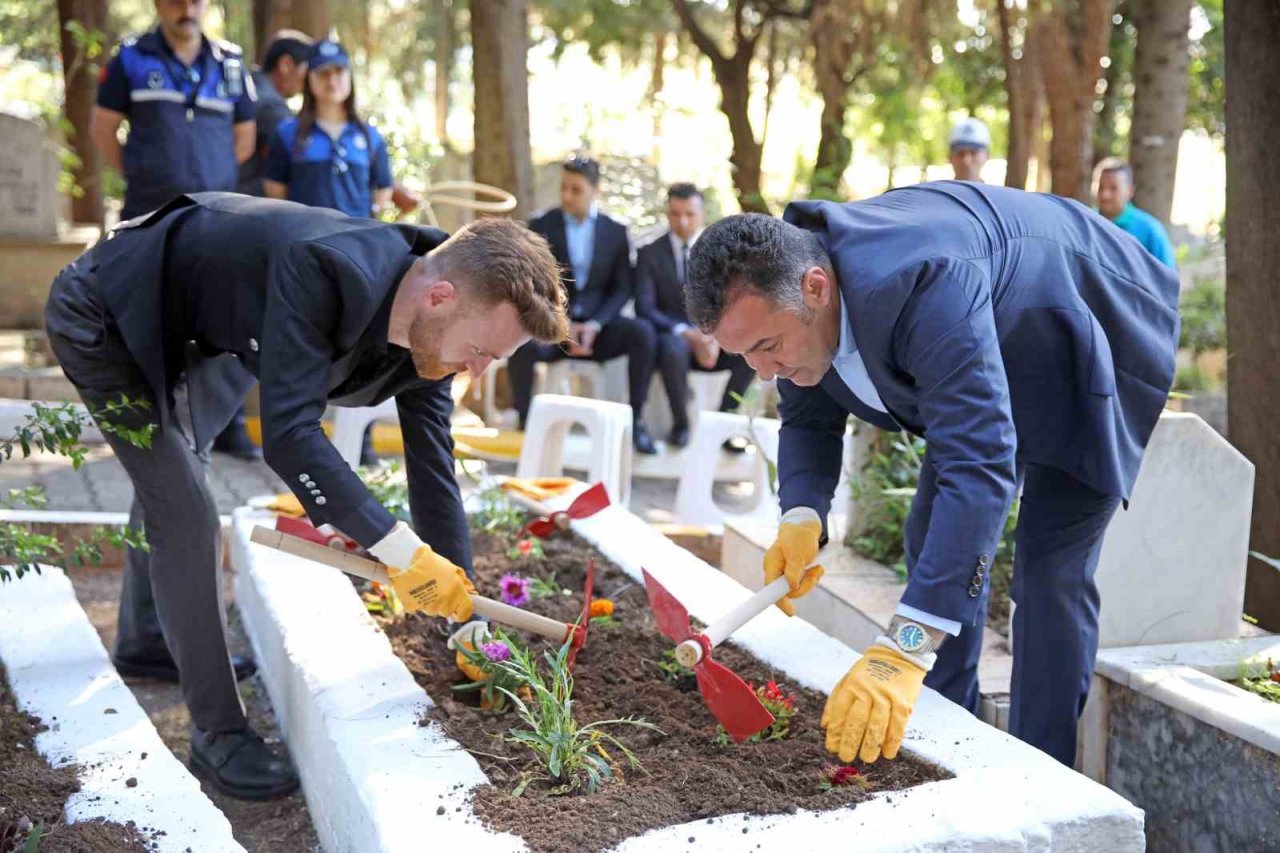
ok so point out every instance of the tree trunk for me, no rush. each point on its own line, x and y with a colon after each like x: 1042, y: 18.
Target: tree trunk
x: 658, y: 82
x: 1159, y: 100
x: 1023, y: 93
x: 446, y: 49
x: 1073, y: 45
x: 270, y: 16
x: 1252, y: 41
x: 80, y: 79
x: 733, y: 75
x: 500, y: 47
x: 838, y: 30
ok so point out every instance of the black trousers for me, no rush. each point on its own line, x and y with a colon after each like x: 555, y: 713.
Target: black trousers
x: 624, y: 336
x: 675, y: 360
x: 171, y: 604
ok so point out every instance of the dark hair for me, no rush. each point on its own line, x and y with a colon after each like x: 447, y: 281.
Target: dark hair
x: 292, y: 43
x: 307, y: 115
x: 1115, y: 164
x: 749, y: 251
x: 581, y: 164
x: 683, y: 191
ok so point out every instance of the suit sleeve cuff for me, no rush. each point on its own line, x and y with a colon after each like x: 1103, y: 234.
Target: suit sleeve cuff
x: 950, y: 626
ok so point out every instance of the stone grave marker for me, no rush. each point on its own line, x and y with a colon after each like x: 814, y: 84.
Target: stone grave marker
x: 28, y: 180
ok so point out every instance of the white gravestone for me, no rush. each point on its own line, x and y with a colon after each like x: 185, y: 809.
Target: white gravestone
x: 28, y: 180
x: 1172, y: 568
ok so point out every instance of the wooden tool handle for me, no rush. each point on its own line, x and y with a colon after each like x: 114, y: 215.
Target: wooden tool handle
x: 718, y: 631
x: 372, y: 570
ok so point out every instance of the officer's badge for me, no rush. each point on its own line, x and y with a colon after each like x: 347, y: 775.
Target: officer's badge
x: 233, y: 77
x: 155, y: 80
x: 328, y: 49
x: 360, y: 143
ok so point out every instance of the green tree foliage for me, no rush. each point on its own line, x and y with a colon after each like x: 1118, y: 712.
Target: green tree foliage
x: 1206, y: 104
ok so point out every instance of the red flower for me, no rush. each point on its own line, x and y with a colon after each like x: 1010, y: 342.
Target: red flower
x: 525, y: 546
x: 843, y: 776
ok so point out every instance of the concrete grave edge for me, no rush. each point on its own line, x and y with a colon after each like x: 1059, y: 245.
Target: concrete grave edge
x: 60, y: 672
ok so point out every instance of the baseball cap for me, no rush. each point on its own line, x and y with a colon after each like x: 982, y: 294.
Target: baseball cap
x: 970, y: 133
x: 327, y: 53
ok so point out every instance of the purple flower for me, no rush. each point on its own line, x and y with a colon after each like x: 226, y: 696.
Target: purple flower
x: 496, y: 652
x: 515, y: 590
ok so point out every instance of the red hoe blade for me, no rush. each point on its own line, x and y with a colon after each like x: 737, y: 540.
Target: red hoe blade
x: 584, y: 505
x: 730, y: 699
x: 578, y: 630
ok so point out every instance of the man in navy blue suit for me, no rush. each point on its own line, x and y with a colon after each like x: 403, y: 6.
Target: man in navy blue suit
x: 1030, y: 342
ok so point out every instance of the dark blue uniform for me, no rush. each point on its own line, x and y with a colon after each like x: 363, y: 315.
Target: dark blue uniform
x: 180, y: 117
x: 342, y: 174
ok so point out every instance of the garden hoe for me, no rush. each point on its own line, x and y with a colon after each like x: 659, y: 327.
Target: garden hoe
x: 730, y: 699
x: 353, y: 564
x: 584, y: 505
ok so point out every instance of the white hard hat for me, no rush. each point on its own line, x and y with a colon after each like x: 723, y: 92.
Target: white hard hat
x: 970, y: 133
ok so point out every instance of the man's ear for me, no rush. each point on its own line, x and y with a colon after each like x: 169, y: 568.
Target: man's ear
x: 816, y: 288
x: 439, y: 294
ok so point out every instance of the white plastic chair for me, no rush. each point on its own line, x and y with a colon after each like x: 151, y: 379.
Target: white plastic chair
x: 349, y: 425
x: 608, y: 427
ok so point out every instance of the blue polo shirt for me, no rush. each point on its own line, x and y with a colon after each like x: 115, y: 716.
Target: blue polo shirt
x: 323, y: 172
x: 1149, y: 231
x: 180, y: 117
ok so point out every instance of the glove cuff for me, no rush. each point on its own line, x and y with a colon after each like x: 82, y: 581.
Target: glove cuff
x: 925, y: 662
x: 800, y: 515
x: 397, y: 548
x: 472, y: 634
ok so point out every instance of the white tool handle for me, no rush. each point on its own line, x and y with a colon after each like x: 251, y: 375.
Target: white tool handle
x: 354, y: 564
x: 689, y: 652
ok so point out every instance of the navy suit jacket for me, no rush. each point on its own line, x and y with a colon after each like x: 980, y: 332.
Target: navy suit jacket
x: 659, y: 294
x: 1002, y: 326
x: 608, y: 285
x: 301, y: 297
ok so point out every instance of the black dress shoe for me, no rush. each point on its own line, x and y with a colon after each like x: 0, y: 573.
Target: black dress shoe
x: 642, y: 440
x: 368, y: 457
x: 235, y: 441
x: 167, y: 670
x: 679, y: 436
x: 241, y: 765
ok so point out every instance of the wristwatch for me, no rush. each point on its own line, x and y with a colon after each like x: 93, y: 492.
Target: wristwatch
x: 911, y: 637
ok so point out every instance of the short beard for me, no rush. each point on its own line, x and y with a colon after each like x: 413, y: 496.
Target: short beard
x: 426, y: 334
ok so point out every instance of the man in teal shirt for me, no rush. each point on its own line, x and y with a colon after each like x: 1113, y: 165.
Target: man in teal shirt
x: 1115, y: 201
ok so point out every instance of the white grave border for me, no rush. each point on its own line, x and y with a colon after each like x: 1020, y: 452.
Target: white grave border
x: 376, y: 780
x: 60, y: 672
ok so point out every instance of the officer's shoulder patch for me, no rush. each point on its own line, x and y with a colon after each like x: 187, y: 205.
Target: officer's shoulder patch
x: 128, y: 41
x: 228, y: 47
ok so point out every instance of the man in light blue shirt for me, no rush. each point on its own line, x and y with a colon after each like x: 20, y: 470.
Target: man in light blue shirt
x: 1115, y: 201
x: 594, y: 252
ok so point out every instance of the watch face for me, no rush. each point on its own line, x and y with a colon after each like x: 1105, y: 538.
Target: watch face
x: 911, y: 638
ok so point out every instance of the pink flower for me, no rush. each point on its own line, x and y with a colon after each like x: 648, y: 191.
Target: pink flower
x: 515, y: 590
x: 495, y: 652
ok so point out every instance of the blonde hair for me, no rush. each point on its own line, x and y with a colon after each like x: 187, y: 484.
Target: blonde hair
x: 499, y: 260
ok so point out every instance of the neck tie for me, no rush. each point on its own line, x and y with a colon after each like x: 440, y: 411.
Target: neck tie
x: 684, y: 264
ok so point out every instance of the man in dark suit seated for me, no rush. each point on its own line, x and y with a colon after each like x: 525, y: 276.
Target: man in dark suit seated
x: 595, y: 261
x: 660, y: 278
x: 321, y: 308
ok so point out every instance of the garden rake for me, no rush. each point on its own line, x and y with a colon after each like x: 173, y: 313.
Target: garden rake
x: 574, y: 634
x: 730, y: 699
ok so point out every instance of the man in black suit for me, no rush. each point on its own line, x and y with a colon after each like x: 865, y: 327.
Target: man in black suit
x: 660, y: 278
x: 595, y: 260
x: 321, y: 308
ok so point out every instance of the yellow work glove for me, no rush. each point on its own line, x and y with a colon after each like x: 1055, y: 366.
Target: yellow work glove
x: 539, y: 488
x: 422, y: 579
x: 866, y: 715
x: 287, y: 504
x: 791, y: 553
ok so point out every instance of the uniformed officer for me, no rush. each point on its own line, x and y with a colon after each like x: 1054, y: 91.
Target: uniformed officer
x: 323, y: 309
x: 282, y: 76
x: 1027, y: 340
x: 190, y: 106
x: 328, y: 156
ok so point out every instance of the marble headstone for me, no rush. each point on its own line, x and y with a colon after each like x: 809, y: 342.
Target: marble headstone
x: 28, y: 180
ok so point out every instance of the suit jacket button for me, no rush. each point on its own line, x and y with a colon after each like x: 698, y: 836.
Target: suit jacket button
x: 982, y: 570
x: 974, y: 591
x: 302, y: 478
x: 977, y: 580
x: 983, y: 559
x: 320, y: 501
x: 315, y: 491
x: 253, y: 344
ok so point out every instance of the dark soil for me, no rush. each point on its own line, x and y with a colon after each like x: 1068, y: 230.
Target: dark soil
x: 32, y: 794
x: 688, y: 777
